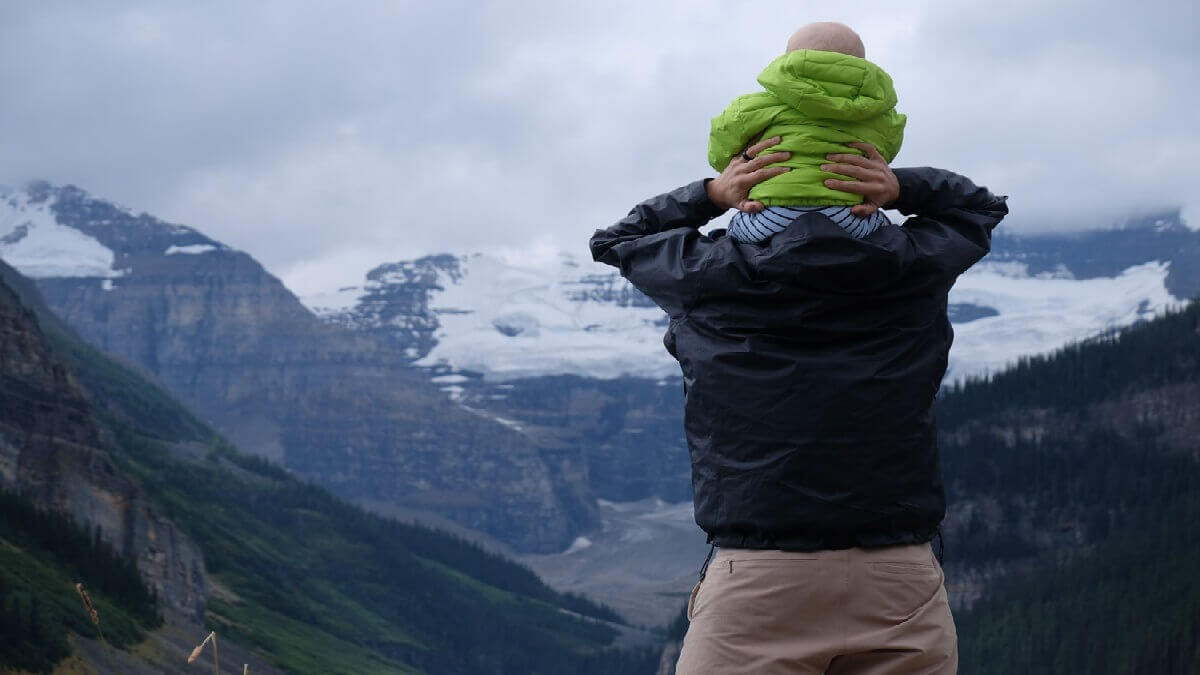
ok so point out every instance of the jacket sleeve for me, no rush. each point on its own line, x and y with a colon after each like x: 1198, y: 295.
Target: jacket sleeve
x: 955, y: 217
x: 658, y: 246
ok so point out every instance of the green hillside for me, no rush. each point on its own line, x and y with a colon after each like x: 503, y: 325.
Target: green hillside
x: 42, y: 555
x: 1130, y: 605
x: 318, y: 584
x: 1098, y: 443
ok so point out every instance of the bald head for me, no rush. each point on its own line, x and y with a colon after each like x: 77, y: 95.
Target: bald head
x: 827, y: 36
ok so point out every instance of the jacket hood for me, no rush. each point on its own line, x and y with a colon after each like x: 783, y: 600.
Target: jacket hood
x: 829, y: 85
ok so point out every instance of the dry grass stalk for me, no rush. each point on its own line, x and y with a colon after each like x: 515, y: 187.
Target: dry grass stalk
x: 95, y: 616
x: 91, y: 609
x: 199, y: 647
x: 212, y: 637
x: 87, y: 604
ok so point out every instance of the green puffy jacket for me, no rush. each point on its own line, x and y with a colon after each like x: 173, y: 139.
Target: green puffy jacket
x: 816, y: 102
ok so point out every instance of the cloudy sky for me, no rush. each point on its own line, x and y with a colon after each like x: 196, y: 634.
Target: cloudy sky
x: 325, y: 137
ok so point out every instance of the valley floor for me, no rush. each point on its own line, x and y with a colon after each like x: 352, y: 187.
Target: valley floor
x: 642, y: 562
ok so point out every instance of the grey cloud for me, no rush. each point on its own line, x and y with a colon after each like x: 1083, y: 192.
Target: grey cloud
x: 325, y: 137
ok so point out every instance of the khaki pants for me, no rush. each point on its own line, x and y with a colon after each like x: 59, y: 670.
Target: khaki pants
x: 847, y: 612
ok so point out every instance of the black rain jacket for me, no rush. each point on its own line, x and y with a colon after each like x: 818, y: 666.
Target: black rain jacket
x: 810, y: 361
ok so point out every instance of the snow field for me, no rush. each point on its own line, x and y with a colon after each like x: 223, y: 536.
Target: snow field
x: 32, y: 241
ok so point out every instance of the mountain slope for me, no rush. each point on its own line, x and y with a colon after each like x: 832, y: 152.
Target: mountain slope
x: 70, y: 515
x: 54, y: 454
x: 316, y: 584
x: 1126, y: 606
x: 231, y: 342
x: 1075, y: 476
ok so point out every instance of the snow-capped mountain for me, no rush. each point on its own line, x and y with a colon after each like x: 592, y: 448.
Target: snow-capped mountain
x: 503, y: 319
x: 49, y: 232
x: 338, y: 407
x: 508, y: 320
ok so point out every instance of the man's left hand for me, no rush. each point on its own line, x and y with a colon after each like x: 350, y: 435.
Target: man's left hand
x: 875, y: 180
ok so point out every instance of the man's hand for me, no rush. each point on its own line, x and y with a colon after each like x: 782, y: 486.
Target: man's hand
x: 875, y: 180
x: 732, y: 188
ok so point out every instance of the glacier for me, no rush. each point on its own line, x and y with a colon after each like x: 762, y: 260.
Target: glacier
x: 505, y: 319
x: 1038, y: 314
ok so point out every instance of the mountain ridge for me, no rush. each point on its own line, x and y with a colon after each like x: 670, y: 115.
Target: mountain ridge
x: 228, y: 339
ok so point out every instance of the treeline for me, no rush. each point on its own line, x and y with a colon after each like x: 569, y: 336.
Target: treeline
x: 1105, y: 503
x: 1029, y: 443
x: 1151, y: 354
x: 31, y: 637
x: 1130, y: 605
x: 42, y: 555
x: 1077, y: 477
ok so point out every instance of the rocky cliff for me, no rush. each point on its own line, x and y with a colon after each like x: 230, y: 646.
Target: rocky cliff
x: 53, y: 452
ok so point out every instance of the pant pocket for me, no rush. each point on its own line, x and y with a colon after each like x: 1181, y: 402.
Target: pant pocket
x: 901, y: 589
x: 691, y: 606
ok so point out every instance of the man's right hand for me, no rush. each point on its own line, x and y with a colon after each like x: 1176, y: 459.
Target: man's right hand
x: 731, y: 190
x: 874, y: 179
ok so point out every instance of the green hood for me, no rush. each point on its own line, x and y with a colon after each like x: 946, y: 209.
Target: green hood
x: 816, y: 102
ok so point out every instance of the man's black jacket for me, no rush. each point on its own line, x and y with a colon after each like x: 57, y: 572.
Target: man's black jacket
x: 810, y: 361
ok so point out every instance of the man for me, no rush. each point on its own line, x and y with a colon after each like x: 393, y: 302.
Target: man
x: 810, y: 364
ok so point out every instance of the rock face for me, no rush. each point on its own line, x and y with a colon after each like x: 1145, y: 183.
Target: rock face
x: 332, y: 405
x: 52, y: 451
